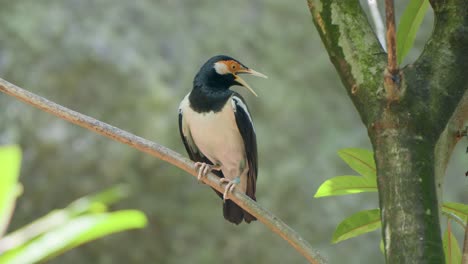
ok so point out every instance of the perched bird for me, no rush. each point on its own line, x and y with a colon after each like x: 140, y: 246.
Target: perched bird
x: 218, y: 133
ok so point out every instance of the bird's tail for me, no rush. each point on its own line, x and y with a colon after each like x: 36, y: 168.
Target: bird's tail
x: 249, y: 218
x: 234, y: 213
x: 231, y: 211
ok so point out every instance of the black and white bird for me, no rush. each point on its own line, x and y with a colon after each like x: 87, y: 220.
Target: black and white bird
x: 218, y: 133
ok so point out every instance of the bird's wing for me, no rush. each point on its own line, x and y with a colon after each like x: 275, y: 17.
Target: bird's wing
x: 246, y: 129
x: 192, y: 149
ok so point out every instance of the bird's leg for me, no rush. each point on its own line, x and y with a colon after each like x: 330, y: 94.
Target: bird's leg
x: 204, y: 168
x: 230, y: 186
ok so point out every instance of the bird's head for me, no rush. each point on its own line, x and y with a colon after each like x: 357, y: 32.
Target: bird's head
x: 222, y: 72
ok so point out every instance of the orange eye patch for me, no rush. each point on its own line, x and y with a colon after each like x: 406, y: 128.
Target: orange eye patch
x: 229, y: 67
x: 233, y: 66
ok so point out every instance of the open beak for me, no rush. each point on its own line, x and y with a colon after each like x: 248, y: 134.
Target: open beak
x: 251, y: 72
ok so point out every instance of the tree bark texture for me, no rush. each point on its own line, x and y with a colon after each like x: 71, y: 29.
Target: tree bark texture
x: 412, y: 132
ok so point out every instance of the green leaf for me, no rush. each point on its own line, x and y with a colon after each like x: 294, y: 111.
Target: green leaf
x: 34, y: 229
x: 409, y: 24
x: 357, y: 224
x: 451, y: 247
x: 72, y: 234
x: 98, y: 202
x: 112, y: 223
x: 343, y: 185
x: 458, y: 209
x: 95, y: 203
x: 360, y: 160
x: 10, y: 161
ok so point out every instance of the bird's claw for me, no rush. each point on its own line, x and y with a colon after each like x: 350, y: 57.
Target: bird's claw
x: 204, y: 168
x: 229, y: 187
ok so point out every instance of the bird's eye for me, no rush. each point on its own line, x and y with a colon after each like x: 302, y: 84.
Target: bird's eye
x: 233, y: 66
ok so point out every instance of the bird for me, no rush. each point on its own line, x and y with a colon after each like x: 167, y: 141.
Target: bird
x: 218, y: 133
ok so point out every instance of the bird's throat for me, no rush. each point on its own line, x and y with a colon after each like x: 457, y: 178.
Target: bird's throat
x: 204, y: 99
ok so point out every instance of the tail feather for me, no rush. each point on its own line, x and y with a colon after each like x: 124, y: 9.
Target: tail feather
x: 249, y: 218
x: 231, y: 211
x: 234, y: 213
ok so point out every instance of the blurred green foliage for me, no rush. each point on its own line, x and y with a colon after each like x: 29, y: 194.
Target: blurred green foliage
x: 129, y: 63
x: 10, y: 161
x: 60, y: 230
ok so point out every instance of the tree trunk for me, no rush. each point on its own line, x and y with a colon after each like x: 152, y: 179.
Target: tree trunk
x: 408, y: 199
x: 412, y: 125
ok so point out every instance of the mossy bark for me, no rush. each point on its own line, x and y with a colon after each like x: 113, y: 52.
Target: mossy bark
x: 404, y: 157
x: 405, y: 127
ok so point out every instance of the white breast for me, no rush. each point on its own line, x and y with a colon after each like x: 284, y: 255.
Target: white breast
x: 217, y: 137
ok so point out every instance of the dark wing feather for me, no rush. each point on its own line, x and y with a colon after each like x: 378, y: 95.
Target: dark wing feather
x: 246, y: 129
x: 192, y: 150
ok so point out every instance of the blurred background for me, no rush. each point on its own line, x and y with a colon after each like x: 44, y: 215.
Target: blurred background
x: 129, y: 63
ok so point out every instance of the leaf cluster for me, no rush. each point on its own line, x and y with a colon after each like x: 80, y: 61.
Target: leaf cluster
x: 82, y: 221
x: 362, y: 161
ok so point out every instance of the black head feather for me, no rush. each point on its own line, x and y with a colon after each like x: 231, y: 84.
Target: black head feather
x: 208, y: 76
x: 211, y: 89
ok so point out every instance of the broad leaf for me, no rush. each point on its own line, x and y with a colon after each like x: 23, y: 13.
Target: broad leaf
x: 357, y: 224
x: 98, y: 202
x: 451, y: 248
x: 10, y: 161
x: 95, y: 203
x: 112, y: 223
x: 458, y: 209
x: 72, y: 234
x: 343, y: 185
x: 360, y: 160
x: 409, y: 24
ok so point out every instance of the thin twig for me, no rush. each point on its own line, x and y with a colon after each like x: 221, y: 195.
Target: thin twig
x: 168, y: 155
x: 392, y: 75
x: 378, y: 22
x: 391, y: 37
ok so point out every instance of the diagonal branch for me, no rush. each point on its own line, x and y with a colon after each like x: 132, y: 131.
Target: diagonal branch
x: 447, y: 142
x: 168, y: 155
x: 353, y: 49
x: 444, y: 60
